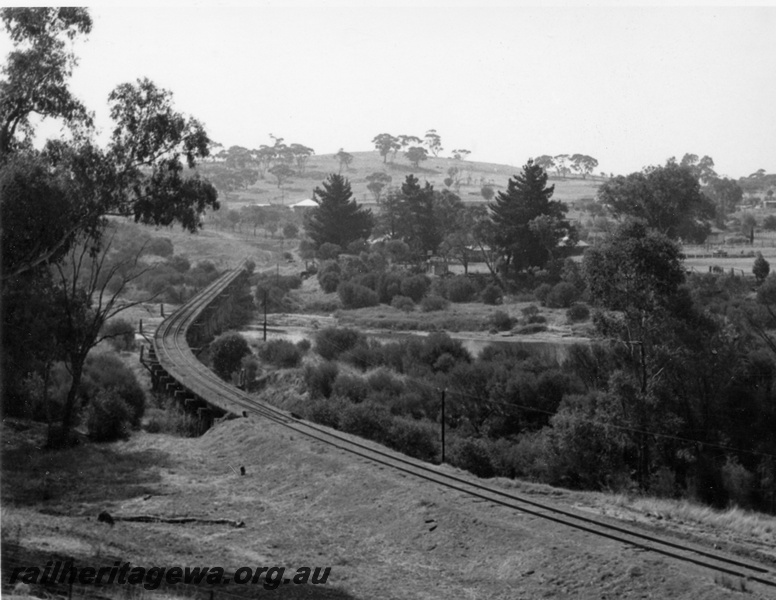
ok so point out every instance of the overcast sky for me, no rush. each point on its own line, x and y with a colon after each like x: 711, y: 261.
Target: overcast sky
x: 629, y: 86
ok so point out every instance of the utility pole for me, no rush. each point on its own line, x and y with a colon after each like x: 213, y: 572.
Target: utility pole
x: 265, y: 315
x: 443, y: 426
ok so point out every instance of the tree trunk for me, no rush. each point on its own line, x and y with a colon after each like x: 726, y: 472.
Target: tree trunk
x: 60, y: 437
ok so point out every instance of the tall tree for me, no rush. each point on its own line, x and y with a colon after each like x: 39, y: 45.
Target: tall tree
x: 385, y: 143
x: 433, y: 142
x: 583, y: 164
x: 377, y: 182
x: 420, y: 229
x: 344, y: 158
x: 301, y: 154
x: 726, y: 195
x: 667, y: 198
x: 37, y: 71
x: 545, y: 161
x: 338, y: 219
x: 527, y: 198
x: 416, y: 155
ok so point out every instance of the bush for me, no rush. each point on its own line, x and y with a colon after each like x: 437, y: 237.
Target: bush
x: 174, y: 421
x: 542, y: 292
x: 350, y: 387
x: 356, y: 296
x: 325, y: 411
x: 106, y: 372
x: 403, y: 303
x: 382, y: 380
x: 433, y: 303
x: 388, y: 286
x: 769, y: 223
x: 180, y: 263
x: 281, y: 353
x: 320, y: 379
x: 304, y: 345
x: 331, y: 342
x: 160, y: 247
x: 120, y: 333
x: 579, y: 311
x: 107, y: 417
x: 329, y: 282
x: 471, y: 455
x: 460, y: 289
x: 226, y: 353
x: 413, y: 438
x: 415, y: 287
x: 328, y: 251
x: 492, y: 295
x: 366, y: 420
x: 562, y: 295
x: 501, y: 321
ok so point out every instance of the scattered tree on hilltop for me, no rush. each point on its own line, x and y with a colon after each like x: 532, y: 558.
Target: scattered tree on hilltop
x: 344, y: 158
x: 433, y: 142
x: 416, y: 155
x: 584, y: 164
x: 461, y: 153
x: 338, y: 219
x: 385, y: 143
x: 545, y: 161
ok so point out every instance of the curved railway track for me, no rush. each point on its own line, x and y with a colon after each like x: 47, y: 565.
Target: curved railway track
x: 177, y: 359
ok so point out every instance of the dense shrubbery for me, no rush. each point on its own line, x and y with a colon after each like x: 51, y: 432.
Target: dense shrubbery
x: 579, y: 311
x: 501, y: 321
x: 331, y: 342
x: 354, y: 295
x: 460, y: 289
x: 433, y: 303
x: 226, y: 353
x: 320, y: 378
x: 562, y: 295
x: 106, y: 372
x: 403, y: 303
x: 120, y: 333
x: 280, y: 353
x: 107, y: 417
x: 492, y: 294
x: 160, y: 247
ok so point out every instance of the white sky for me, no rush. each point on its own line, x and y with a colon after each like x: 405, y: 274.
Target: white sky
x: 630, y: 86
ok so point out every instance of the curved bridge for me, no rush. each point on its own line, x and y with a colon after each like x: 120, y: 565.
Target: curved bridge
x: 176, y: 368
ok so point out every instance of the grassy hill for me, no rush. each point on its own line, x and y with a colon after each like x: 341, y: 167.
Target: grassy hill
x: 434, y: 170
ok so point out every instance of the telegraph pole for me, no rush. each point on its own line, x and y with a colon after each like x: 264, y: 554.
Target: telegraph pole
x: 443, y: 426
x: 265, y: 315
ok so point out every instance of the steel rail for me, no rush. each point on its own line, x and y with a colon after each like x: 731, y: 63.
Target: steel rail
x: 178, y: 361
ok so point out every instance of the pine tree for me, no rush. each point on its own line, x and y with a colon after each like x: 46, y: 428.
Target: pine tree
x: 526, y: 199
x: 338, y: 219
x: 421, y: 232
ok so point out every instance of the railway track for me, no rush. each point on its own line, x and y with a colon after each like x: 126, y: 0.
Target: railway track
x: 177, y: 359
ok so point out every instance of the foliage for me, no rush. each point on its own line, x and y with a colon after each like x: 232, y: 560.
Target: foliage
x: 160, y: 246
x: 562, y: 295
x: 760, y: 268
x: 106, y: 372
x: 350, y: 387
x: 413, y: 438
x: 280, y: 353
x: 227, y: 352
x: 338, y: 219
x: 416, y: 155
x: 331, y: 342
x: 107, y: 417
x: 367, y: 420
x: 578, y: 311
x: 492, y: 295
x: 415, y: 287
x: 471, y: 455
x: 354, y: 295
x: 320, y: 378
x: 667, y: 199
x: 403, y: 303
x: 120, y: 333
x: 433, y: 303
x: 501, y: 321
x: 528, y: 226
x: 769, y: 223
x: 385, y: 143
x: 460, y: 289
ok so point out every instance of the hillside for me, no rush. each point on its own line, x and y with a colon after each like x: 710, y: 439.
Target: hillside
x: 434, y: 170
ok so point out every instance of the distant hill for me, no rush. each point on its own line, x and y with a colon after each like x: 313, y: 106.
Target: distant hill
x: 473, y: 175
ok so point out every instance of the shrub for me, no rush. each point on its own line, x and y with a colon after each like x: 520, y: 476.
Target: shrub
x: 160, y: 247
x: 329, y: 282
x: 364, y: 355
x: 325, y: 411
x: 414, y: 287
x: 562, y: 295
x: 281, y: 353
x: 173, y: 420
x: 366, y: 420
x: 471, y: 455
x: 350, y: 387
x: 356, y: 296
x: 579, y: 311
x: 382, y: 380
x: 542, y: 292
x: 226, y: 353
x: 460, y: 289
x: 388, y: 286
x: 328, y: 251
x: 760, y: 268
x: 413, y: 438
x: 106, y: 372
x: 501, y: 321
x: 304, y: 345
x: 320, y: 379
x: 180, y: 263
x: 492, y: 295
x: 433, y: 303
x: 120, y: 333
x: 403, y: 303
x: 331, y: 342
x: 769, y: 223
x: 107, y: 417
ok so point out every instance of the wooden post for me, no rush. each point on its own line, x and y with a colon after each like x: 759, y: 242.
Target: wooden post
x: 443, y: 425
